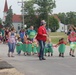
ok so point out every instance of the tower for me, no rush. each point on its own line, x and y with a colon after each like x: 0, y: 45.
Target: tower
x: 5, y: 10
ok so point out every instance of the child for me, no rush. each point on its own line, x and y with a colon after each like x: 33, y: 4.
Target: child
x: 19, y: 46
x: 24, y: 46
x: 34, y: 46
x: 73, y: 43
x: 29, y: 46
x: 49, y: 48
x: 72, y: 46
x: 61, y: 44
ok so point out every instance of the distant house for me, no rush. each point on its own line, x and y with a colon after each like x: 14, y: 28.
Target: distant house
x: 17, y: 21
x: 62, y: 27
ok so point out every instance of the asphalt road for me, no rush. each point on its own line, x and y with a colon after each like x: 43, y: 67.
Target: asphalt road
x: 30, y: 65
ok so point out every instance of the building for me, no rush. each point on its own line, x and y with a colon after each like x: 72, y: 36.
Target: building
x: 62, y: 27
x: 16, y: 19
x: 5, y: 10
x: 17, y: 22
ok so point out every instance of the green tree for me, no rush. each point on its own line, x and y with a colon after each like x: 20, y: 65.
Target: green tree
x: 0, y: 21
x: 8, y: 21
x: 71, y: 18
x: 45, y: 7
x: 30, y: 17
x: 68, y: 18
x: 53, y: 23
x: 36, y: 10
x: 62, y: 17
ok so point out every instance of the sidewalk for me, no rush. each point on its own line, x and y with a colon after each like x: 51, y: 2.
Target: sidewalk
x: 7, y: 69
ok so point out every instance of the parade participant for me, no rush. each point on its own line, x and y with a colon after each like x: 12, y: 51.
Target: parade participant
x: 42, y: 37
x: 62, y: 47
x: 19, y: 46
x: 29, y: 46
x: 2, y: 34
x: 34, y: 46
x: 31, y: 33
x: 49, y: 47
x: 72, y: 40
x: 0, y: 37
x: 68, y: 39
x: 11, y: 42
x: 22, y: 34
x: 24, y: 46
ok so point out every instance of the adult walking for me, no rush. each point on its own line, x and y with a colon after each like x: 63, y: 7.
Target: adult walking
x: 22, y: 34
x: 41, y: 37
x: 11, y: 42
x: 31, y: 33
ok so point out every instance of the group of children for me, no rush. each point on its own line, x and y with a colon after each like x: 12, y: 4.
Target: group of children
x: 31, y: 48
x: 28, y: 47
x: 49, y: 47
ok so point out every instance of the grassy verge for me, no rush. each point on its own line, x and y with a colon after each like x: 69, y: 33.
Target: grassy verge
x: 55, y: 36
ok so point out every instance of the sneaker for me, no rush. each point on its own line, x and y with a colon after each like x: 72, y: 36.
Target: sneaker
x: 8, y: 55
x: 51, y: 54
x: 45, y: 55
x: 60, y: 55
x: 40, y: 58
x: 70, y: 54
x: 12, y: 56
x: 48, y: 55
x: 24, y: 54
x: 43, y: 59
x: 73, y: 55
x: 63, y: 56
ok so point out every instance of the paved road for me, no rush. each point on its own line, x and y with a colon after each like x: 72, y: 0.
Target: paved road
x: 30, y: 65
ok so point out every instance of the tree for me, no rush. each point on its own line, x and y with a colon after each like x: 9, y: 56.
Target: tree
x: 45, y: 7
x: 30, y: 17
x: 71, y: 18
x: 8, y: 21
x: 0, y: 21
x: 36, y: 10
x: 53, y: 23
x: 62, y: 17
x: 68, y: 18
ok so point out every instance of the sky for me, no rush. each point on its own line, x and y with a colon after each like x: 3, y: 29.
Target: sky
x: 61, y: 6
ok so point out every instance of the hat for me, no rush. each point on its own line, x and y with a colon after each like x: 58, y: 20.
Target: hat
x: 43, y: 22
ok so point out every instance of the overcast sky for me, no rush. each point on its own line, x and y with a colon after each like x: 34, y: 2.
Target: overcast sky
x: 61, y: 6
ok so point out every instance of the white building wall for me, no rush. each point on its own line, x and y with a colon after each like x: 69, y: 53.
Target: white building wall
x: 62, y: 27
x: 16, y: 26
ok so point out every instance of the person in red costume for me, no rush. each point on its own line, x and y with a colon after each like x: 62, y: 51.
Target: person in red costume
x: 62, y: 47
x: 42, y: 37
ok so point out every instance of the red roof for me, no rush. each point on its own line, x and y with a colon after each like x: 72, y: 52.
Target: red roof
x: 16, y: 18
x: 6, y: 6
x: 55, y: 16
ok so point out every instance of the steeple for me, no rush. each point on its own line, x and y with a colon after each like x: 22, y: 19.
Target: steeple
x: 6, y: 6
x: 5, y: 10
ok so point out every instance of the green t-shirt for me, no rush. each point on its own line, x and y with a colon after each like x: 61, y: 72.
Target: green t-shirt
x: 31, y: 33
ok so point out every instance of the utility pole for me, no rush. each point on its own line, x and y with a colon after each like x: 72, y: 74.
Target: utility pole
x: 22, y: 2
x: 64, y: 23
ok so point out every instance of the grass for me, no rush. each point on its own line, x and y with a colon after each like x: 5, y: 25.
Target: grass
x: 55, y: 36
